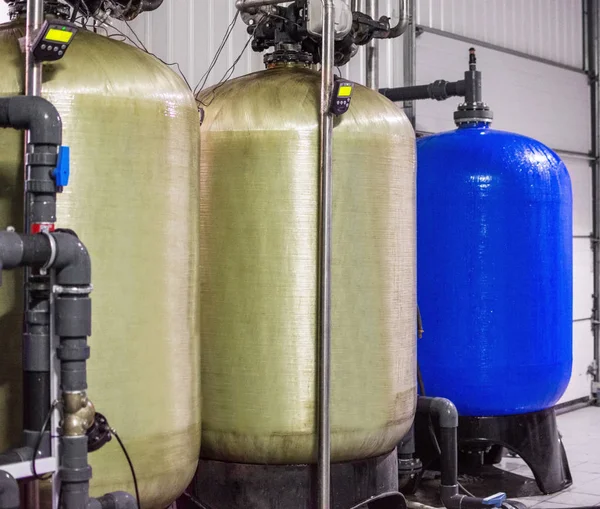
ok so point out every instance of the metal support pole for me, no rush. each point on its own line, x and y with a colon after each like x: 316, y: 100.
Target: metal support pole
x: 33, y: 79
x: 410, y: 60
x: 324, y: 283
x: 372, y: 50
x: 593, y: 24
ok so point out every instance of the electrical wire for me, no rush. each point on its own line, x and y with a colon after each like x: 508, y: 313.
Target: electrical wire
x: 229, y: 72
x: 135, y: 482
x: 38, y: 443
x: 75, y: 11
x: 140, y: 45
x: 204, y: 78
x: 195, y: 501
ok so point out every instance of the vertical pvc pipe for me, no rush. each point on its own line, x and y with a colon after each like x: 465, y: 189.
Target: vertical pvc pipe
x: 33, y: 87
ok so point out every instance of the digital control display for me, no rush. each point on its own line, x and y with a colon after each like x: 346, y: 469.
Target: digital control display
x: 342, y: 96
x: 56, y: 35
x: 53, y: 40
x: 345, y: 91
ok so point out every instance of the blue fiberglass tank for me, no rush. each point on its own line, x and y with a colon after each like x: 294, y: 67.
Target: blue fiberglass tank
x: 495, y: 271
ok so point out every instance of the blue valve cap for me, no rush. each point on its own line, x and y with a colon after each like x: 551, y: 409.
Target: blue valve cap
x: 63, y: 167
x: 495, y: 500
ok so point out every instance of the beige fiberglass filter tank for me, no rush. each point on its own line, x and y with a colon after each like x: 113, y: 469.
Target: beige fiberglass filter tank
x: 260, y: 192
x: 132, y: 126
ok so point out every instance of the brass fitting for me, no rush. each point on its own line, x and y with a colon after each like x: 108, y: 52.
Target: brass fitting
x: 79, y: 414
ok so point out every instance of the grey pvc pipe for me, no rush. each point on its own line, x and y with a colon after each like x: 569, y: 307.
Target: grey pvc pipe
x: 35, y: 114
x: 324, y: 295
x: 9, y: 492
x: 33, y: 87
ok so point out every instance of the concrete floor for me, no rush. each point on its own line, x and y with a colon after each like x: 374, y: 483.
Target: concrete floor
x: 581, y: 436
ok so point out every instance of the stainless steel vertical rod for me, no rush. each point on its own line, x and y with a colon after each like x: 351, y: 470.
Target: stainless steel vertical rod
x: 324, y: 283
x: 593, y: 66
x: 33, y: 78
x: 372, y: 51
x: 410, y: 61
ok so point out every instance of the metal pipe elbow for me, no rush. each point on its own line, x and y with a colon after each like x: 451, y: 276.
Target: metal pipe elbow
x: 442, y: 408
x: 9, y: 491
x: 403, y: 23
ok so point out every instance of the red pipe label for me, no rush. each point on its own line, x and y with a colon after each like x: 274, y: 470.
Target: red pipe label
x: 42, y: 227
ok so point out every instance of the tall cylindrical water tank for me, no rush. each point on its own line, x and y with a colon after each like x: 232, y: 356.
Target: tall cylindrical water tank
x: 495, y: 271
x: 133, y: 129
x: 259, y: 205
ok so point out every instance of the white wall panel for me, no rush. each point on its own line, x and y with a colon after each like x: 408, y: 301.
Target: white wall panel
x: 550, y: 29
x: 583, y: 280
x: 581, y: 175
x: 3, y: 12
x: 583, y: 353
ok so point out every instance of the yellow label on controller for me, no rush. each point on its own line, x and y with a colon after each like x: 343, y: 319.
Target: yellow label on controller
x: 345, y: 91
x: 55, y: 35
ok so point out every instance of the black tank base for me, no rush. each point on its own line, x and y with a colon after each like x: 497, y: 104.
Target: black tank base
x: 368, y: 484
x: 534, y: 437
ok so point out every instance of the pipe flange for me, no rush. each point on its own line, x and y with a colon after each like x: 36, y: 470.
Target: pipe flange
x: 471, y: 114
x: 52, y: 259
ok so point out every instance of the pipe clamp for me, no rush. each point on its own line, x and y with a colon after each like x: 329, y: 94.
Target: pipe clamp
x: 52, y: 259
x: 73, y: 290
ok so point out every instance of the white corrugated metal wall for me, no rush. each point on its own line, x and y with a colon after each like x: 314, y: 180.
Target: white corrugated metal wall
x: 550, y: 29
x: 544, y: 101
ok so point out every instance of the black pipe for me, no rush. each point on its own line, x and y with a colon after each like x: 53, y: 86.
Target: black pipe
x: 9, y: 492
x: 439, y: 90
